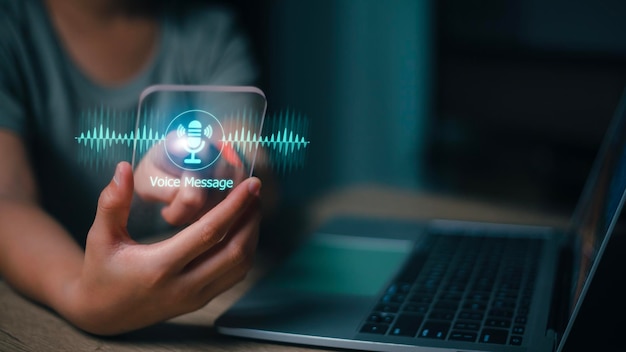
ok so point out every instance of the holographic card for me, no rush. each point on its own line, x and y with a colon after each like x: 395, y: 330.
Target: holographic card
x: 200, y: 140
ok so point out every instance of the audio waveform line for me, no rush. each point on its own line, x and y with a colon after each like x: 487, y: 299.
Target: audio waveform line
x: 102, y: 138
x: 297, y: 145
x: 282, y: 141
x: 245, y: 141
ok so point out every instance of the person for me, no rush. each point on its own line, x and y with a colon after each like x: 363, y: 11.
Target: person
x: 59, y: 60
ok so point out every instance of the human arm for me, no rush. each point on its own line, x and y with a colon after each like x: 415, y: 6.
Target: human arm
x: 37, y: 256
x: 117, y: 285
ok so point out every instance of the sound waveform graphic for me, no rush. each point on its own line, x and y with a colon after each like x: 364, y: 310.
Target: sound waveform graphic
x: 282, y: 145
x: 285, y: 144
x: 100, y: 138
x: 108, y: 138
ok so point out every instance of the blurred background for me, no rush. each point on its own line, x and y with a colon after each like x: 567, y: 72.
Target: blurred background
x: 491, y: 100
x: 504, y: 101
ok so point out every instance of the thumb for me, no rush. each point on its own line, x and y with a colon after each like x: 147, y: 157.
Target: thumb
x: 114, y: 203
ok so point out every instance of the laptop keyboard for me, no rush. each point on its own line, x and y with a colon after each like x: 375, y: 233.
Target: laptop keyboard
x: 474, y: 289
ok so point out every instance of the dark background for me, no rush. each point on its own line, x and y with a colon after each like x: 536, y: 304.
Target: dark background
x: 525, y: 91
x: 520, y: 96
x: 522, y: 93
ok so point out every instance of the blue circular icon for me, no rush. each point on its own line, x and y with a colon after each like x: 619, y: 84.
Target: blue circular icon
x: 194, y: 140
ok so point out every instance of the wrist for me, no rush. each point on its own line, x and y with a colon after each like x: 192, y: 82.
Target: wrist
x: 69, y: 299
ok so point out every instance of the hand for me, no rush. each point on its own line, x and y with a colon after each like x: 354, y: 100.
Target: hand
x: 185, y: 204
x: 124, y: 285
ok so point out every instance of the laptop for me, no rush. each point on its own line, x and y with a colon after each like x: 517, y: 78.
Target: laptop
x: 441, y: 285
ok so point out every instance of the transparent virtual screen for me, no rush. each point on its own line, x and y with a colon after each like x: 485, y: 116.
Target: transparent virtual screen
x: 195, y: 141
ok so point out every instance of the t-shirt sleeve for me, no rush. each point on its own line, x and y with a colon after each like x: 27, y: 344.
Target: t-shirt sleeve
x: 12, y: 114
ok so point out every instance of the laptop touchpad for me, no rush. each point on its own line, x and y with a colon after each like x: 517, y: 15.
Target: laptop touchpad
x: 345, y: 265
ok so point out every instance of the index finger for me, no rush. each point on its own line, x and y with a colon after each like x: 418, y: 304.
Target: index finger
x: 214, y: 225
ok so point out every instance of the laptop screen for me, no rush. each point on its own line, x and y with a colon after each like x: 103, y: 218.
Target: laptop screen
x: 600, y: 203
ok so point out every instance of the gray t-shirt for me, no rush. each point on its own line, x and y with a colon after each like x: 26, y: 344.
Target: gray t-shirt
x: 48, y: 101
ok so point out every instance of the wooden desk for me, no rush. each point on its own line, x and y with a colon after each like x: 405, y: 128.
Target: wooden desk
x: 25, y: 326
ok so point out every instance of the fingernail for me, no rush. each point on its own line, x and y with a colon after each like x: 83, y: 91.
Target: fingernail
x: 254, y: 187
x: 116, y: 176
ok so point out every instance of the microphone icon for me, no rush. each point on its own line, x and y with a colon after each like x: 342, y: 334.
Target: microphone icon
x: 194, y: 142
